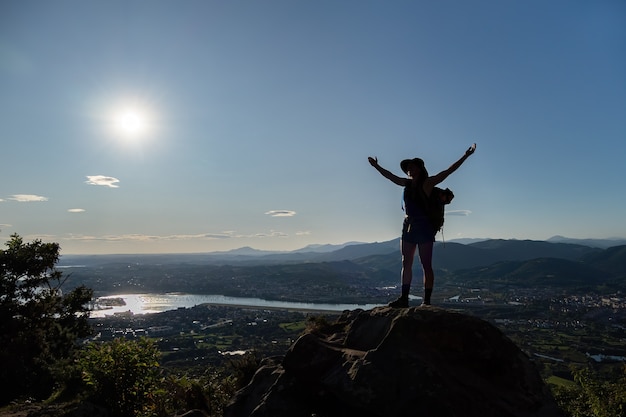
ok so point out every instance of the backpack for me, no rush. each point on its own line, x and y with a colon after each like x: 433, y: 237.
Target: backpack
x: 434, y: 204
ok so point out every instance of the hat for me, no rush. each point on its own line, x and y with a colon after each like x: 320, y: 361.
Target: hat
x: 404, y: 165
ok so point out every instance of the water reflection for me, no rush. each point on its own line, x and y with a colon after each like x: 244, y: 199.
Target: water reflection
x: 156, y: 303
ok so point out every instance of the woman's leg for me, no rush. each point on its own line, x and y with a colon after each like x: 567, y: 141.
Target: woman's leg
x: 425, y: 251
x: 408, y: 253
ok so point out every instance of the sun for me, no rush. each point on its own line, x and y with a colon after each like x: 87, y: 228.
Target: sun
x: 132, y: 122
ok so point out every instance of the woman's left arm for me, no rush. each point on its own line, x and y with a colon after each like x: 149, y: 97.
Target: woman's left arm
x: 436, y: 179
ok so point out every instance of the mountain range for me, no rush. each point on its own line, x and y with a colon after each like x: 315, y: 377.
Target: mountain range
x: 522, y: 263
x: 454, y: 254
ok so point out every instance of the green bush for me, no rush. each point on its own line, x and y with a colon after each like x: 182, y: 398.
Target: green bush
x: 317, y: 324
x: 209, y: 393
x: 121, y: 375
x: 243, y: 368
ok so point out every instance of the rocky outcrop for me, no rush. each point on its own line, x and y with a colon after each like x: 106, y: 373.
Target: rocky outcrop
x: 398, y: 362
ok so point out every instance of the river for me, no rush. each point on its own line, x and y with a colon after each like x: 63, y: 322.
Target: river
x: 156, y: 303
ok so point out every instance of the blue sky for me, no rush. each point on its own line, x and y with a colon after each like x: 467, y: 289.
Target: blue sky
x: 195, y: 126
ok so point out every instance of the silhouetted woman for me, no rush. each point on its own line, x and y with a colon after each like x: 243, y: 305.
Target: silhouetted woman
x: 417, y: 230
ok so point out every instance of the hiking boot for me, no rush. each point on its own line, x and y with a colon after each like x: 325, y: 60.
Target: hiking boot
x: 401, y: 302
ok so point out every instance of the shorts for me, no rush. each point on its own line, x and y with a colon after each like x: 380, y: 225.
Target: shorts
x: 417, y: 230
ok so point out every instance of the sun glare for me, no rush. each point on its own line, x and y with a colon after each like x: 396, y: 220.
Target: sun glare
x: 131, y: 122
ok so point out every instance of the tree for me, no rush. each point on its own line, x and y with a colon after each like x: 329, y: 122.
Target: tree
x: 39, y: 325
x: 593, y: 396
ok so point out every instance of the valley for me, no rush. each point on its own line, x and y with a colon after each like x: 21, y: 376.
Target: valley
x: 565, y: 313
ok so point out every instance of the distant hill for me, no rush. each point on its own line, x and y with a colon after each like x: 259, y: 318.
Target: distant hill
x: 526, y: 249
x: 455, y: 256
x: 536, y: 273
x: 611, y: 260
x: 594, y: 243
x: 358, y: 273
x: 326, y: 248
x: 450, y: 256
x: 514, y: 262
x: 361, y: 250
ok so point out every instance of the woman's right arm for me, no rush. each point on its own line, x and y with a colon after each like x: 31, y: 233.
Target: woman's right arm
x: 391, y: 177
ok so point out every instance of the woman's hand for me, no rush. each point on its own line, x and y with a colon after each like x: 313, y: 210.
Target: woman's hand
x: 470, y: 150
x: 391, y: 177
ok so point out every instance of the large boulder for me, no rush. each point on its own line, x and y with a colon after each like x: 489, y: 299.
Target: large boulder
x: 398, y: 362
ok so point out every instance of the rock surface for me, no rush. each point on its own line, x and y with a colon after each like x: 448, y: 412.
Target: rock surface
x: 398, y: 362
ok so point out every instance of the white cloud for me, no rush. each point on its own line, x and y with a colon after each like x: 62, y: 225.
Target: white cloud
x: 217, y: 235
x: 272, y: 233
x: 281, y: 213
x: 76, y: 210
x: 303, y: 233
x: 102, y: 180
x: 27, y: 198
x: 135, y: 237
x: 458, y: 213
x: 114, y: 238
